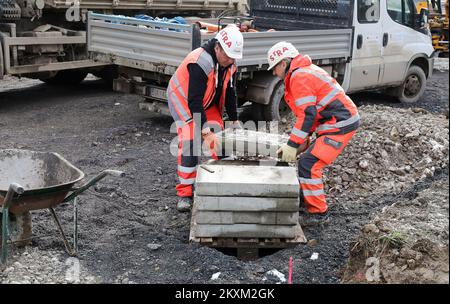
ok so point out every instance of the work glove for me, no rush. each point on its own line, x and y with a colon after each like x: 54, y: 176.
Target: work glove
x: 211, y: 142
x: 288, y: 154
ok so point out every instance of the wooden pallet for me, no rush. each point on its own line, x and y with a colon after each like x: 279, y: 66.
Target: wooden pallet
x: 247, y: 248
x: 220, y: 242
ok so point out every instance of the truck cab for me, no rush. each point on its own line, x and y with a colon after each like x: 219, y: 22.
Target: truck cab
x: 391, y: 48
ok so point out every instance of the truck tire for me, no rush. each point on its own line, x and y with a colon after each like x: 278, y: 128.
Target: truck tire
x: 413, y: 86
x: 66, y: 77
x: 108, y: 74
x: 277, y: 107
x: 257, y: 111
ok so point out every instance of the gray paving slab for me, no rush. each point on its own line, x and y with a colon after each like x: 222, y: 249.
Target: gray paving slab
x: 251, y: 143
x: 262, y: 218
x: 247, y: 181
x: 212, y: 203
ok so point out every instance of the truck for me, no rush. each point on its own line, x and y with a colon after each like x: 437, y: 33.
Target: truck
x: 438, y: 23
x: 46, y: 39
x: 363, y: 44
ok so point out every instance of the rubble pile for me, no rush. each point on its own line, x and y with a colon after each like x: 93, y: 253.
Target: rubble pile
x: 406, y: 243
x: 392, y: 150
x: 33, y: 265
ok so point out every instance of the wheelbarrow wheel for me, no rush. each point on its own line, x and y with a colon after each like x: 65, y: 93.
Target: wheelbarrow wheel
x: 19, y: 229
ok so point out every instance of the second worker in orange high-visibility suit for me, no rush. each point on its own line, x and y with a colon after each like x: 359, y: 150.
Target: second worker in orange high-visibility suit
x: 321, y: 107
x: 199, y: 91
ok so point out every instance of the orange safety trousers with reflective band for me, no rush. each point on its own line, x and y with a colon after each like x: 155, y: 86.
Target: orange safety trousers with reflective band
x: 189, y: 149
x: 177, y: 91
x: 322, y: 152
x: 321, y: 106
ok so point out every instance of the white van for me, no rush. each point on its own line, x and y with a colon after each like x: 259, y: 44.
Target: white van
x: 392, y: 47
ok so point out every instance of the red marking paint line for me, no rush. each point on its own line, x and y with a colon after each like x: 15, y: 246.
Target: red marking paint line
x: 290, y: 271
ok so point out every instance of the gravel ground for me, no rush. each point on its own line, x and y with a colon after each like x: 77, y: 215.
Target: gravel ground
x: 130, y: 231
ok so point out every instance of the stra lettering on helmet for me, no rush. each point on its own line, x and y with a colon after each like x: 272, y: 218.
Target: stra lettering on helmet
x: 225, y: 39
x: 279, y: 52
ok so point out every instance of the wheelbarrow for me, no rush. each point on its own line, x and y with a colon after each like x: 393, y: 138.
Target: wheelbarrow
x: 38, y: 180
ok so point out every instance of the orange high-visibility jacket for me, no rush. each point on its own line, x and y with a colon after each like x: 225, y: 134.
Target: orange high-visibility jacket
x: 177, y: 91
x: 318, y: 101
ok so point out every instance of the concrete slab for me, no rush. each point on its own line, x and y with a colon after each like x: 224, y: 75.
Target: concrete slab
x: 244, y: 231
x: 262, y: 218
x: 247, y: 181
x: 211, y: 203
x: 251, y: 143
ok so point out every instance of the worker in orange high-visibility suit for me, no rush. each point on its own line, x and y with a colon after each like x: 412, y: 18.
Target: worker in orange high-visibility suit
x: 198, y: 92
x: 322, y: 107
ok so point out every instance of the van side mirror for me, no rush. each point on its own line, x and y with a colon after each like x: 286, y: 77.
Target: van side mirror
x: 423, y: 18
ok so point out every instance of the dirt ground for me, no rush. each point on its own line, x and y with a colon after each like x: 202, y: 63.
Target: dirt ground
x: 130, y: 231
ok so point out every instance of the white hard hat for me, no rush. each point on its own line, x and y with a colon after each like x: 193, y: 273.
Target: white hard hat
x: 232, y: 41
x: 280, y: 51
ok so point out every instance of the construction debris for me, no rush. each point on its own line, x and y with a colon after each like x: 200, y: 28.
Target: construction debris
x: 441, y: 64
x: 407, y: 243
x: 391, y: 151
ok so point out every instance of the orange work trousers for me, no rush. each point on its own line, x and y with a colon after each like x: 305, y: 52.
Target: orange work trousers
x: 322, y: 152
x: 189, y: 151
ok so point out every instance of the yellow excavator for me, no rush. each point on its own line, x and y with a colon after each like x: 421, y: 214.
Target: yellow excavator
x: 438, y: 23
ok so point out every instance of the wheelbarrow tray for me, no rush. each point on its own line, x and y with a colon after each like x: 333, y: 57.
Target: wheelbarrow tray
x: 46, y: 177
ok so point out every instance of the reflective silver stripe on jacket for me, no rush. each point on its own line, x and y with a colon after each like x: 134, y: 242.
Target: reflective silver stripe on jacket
x: 340, y: 124
x: 299, y: 133
x: 206, y: 62
x: 330, y: 96
x: 172, y: 97
x: 178, y: 86
x: 335, y: 87
x: 305, y: 100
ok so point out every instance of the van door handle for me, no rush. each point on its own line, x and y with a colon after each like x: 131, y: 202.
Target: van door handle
x: 359, y: 41
x: 385, y: 39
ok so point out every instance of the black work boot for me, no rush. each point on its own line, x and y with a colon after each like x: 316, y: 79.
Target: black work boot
x: 314, y: 219
x: 184, y: 204
x: 302, y: 206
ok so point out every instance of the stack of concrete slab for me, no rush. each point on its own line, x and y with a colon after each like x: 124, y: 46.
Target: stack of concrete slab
x: 252, y: 143
x: 246, y: 201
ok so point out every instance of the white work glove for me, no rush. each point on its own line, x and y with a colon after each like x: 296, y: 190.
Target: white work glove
x: 211, y: 142
x: 288, y: 154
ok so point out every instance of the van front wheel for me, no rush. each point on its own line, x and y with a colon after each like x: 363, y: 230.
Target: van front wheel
x: 413, y: 87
